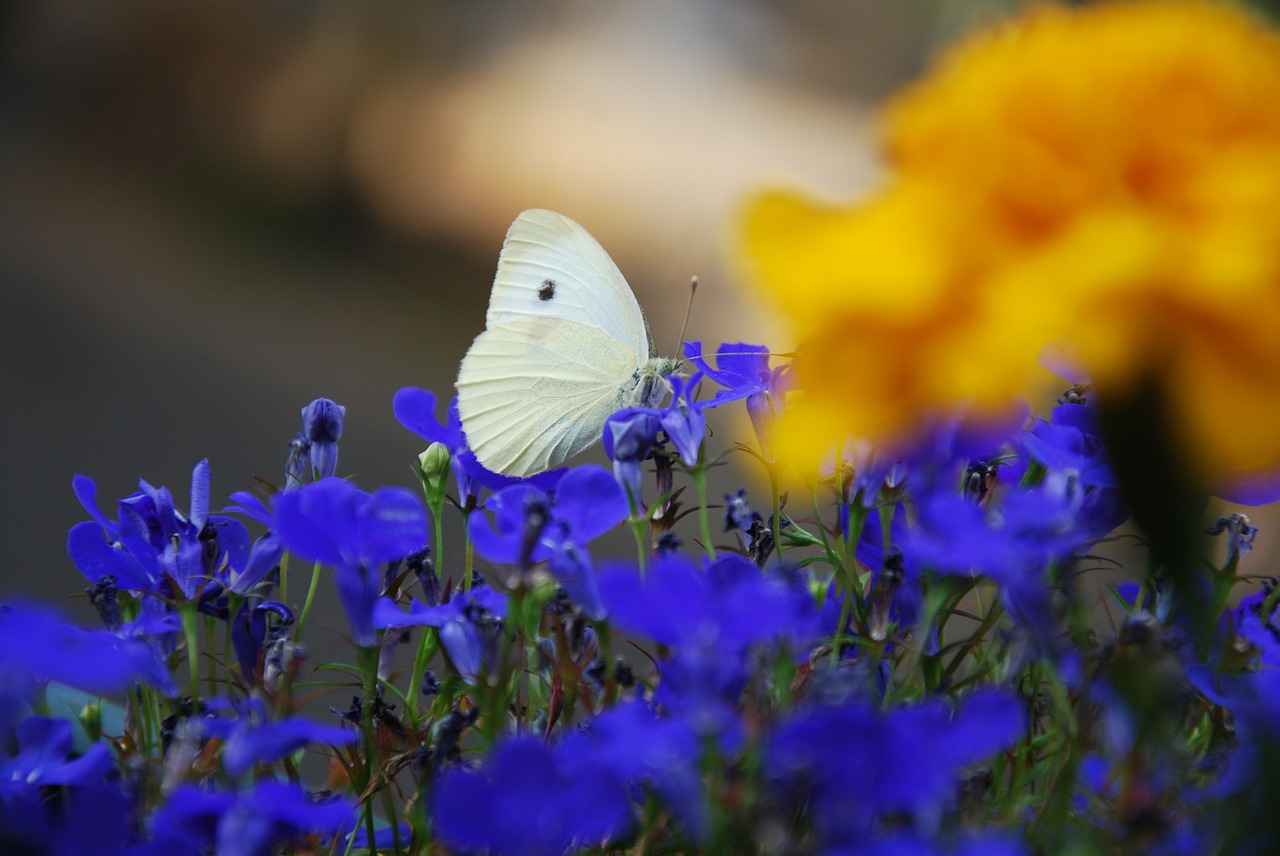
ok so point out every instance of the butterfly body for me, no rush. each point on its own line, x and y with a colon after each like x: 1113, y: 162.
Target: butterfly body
x: 565, y: 345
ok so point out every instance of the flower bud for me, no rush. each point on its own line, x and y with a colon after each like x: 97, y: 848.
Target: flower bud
x: 433, y: 469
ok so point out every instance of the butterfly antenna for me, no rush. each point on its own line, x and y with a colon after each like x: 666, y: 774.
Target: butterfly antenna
x: 688, y: 310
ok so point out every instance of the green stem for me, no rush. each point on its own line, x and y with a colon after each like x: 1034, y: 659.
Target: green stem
x: 284, y: 578
x: 306, y: 606
x: 369, y: 665
x: 191, y: 631
x: 638, y: 526
x: 470, y: 550
x: 700, y: 482
x: 426, y: 650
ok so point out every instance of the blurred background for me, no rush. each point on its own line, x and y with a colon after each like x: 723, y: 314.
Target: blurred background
x: 213, y: 212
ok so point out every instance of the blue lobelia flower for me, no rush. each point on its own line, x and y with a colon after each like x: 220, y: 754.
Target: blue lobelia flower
x: 250, y: 738
x: 51, y: 802
x: 37, y: 646
x: 322, y: 422
x: 639, y: 747
x: 683, y: 419
x: 249, y: 633
x: 335, y: 523
x: 154, y: 548
x: 854, y: 765
x: 468, y: 626
x: 630, y: 438
x: 743, y: 370
x: 528, y: 802
x: 524, y: 526
x: 731, y: 601
x: 416, y: 410
x: 254, y: 822
x: 710, y: 618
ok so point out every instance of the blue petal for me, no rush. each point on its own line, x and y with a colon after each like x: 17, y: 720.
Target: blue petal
x: 87, y: 492
x: 590, y: 502
x: 416, y: 410
x: 199, y: 509
x: 318, y: 521
x: 95, y: 558
x: 392, y: 524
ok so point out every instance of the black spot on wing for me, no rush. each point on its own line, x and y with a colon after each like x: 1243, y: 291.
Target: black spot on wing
x: 547, y: 290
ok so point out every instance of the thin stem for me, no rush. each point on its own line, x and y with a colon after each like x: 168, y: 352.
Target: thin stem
x: 284, y: 578
x: 470, y: 550
x: 700, y: 482
x: 369, y: 663
x: 191, y: 631
x: 306, y: 606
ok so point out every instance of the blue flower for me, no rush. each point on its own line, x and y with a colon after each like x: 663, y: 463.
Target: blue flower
x: 51, y: 802
x: 683, y: 419
x: 468, y: 627
x: 37, y: 646
x: 335, y: 523
x: 731, y: 602
x: 854, y: 764
x: 44, y: 757
x: 743, y: 370
x: 630, y: 438
x: 322, y: 427
x: 710, y: 618
x: 637, y: 746
x: 153, y: 547
x: 251, y: 739
x: 524, y: 525
x: 249, y: 632
x: 528, y: 802
x: 247, y: 823
x: 416, y: 410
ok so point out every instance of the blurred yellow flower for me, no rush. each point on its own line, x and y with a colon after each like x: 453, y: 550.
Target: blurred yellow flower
x: 1107, y: 177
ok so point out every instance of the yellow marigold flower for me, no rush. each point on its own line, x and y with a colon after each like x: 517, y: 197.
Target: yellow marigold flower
x: 1107, y: 177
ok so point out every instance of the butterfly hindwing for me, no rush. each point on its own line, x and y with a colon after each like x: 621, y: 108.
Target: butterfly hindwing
x: 534, y: 391
x: 550, y: 267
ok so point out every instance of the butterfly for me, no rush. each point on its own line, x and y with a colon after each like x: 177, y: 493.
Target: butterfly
x: 565, y: 345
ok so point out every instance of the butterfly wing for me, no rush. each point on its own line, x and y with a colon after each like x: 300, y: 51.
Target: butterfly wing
x: 550, y: 267
x: 535, y: 391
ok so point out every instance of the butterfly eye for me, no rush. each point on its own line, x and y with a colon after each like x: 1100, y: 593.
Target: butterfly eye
x: 547, y: 290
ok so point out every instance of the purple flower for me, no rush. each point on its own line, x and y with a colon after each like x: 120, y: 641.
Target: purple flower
x: 523, y: 526
x: 37, y: 646
x: 51, y: 802
x: 468, y: 626
x: 731, y: 602
x: 683, y: 420
x: 709, y: 618
x: 44, y: 757
x: 639, y: 747
x: 528, y: 802
x: 153, y: 547
x: 416, y: 410
x: 249, y: 632
x: 630, y: 437
x: 743, y: 370
x: 854, y: 764
x: 335, y: 523
x: 249, y: 823
x: 251, y: 739
x: 322, y: 427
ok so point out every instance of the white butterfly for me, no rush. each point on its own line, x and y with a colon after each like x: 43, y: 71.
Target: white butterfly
x: 565, y: 345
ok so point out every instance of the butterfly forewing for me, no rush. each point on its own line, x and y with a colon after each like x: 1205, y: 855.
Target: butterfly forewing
x: 533, y: 392
x: 551, y: 267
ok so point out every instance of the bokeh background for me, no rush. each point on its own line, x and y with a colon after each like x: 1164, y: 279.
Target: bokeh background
x: 213, y: 212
